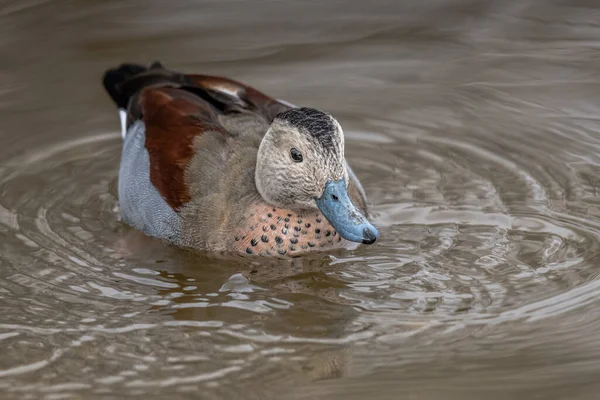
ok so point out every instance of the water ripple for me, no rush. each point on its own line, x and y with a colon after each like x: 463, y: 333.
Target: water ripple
x: 474, y: 130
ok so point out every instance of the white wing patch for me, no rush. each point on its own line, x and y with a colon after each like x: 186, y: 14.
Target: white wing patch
x: 123, y: 118
x: 287, y: 103
x: 230, y: 92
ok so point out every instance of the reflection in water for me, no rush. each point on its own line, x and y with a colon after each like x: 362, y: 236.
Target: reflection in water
x: 473, y: 126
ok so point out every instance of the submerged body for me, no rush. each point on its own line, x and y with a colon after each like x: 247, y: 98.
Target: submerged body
x: 212, y: 164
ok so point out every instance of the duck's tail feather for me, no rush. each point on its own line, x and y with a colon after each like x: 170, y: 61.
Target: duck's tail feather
x: 124, y: 81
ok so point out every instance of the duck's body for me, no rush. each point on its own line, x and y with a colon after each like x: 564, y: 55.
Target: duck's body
x: 192, y: 147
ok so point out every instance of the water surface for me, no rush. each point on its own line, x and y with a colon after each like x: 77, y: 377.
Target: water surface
x: 473, y: 126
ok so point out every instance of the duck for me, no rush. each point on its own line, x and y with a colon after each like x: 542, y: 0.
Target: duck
x: 212, y: 164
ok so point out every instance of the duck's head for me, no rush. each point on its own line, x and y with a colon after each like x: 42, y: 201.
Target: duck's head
x: 301, y: 165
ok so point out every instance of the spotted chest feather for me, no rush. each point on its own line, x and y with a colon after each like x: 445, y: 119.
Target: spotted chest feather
x: 278, y: 232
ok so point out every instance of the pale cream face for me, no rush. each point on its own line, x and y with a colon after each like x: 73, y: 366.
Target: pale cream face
x: 293, y: 165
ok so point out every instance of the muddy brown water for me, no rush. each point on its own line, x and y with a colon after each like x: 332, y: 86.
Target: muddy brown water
x: 473, y: 125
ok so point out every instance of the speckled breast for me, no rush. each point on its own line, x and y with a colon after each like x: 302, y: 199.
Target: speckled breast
x: 271, y: 231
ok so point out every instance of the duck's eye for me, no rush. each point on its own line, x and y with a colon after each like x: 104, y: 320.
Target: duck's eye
x: 296, y: 155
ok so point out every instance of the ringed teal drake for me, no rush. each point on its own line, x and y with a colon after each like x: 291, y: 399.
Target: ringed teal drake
x: 215, y: 165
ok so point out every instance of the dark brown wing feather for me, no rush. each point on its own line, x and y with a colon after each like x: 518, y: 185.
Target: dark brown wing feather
x: 175, y: 109
x: 173, y: 118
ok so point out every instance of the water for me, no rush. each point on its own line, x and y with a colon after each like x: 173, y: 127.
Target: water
x: 473, y: 126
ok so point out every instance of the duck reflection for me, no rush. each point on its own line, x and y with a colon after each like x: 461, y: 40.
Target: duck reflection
x: 293, y: 304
